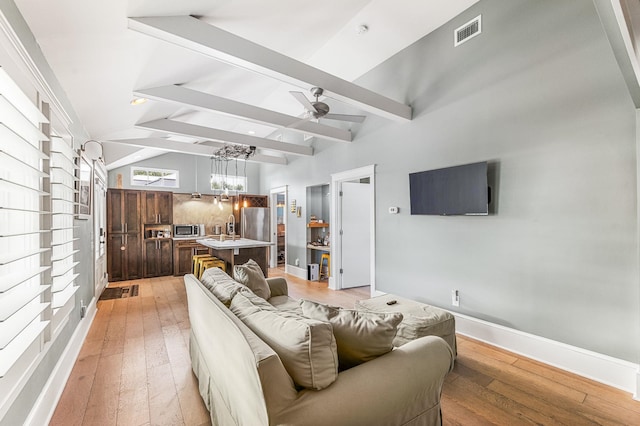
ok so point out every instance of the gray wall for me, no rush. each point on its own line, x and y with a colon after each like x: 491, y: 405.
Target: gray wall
x: 186, y: 166
x: 539, y: 95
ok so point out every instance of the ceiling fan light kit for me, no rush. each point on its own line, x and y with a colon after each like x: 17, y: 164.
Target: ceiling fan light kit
x: 317, y: 110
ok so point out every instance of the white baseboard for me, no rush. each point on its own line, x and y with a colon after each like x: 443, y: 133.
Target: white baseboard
x: 296, y: 271
x: 605, y: 369
x: 46, y: 403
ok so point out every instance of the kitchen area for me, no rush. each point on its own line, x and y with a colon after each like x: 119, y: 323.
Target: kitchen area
x: 157, y: 233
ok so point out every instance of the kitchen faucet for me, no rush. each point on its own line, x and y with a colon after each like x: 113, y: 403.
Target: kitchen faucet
x: 232, y: 228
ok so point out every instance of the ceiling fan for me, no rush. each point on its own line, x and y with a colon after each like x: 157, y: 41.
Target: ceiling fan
x: 319, y: 109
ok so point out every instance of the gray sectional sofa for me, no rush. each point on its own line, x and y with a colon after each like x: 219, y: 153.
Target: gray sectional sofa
x: 244, y: 380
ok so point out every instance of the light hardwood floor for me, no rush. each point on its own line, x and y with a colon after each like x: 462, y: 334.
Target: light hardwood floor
x: 134, y: 369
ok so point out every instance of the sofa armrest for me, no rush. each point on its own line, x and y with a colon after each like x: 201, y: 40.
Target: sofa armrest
x: 398, y: 387
x: 278, y: 286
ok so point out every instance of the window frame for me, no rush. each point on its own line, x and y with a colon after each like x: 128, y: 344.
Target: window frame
x: 223, y: 178
x: 155, y: 169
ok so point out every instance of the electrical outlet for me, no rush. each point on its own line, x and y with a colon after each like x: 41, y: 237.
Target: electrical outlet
x: 455, y: 298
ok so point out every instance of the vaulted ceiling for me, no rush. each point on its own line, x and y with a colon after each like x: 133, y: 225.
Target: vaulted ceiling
x: 221, y: 71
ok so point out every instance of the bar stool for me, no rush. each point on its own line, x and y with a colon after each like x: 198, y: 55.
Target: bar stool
x: 327, y: 257
x: 213, y: 263
x: 195, y: 266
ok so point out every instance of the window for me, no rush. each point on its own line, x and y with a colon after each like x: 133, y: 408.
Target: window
x: 157, y: 178
x: 231, y: 183
x: 25, y: 303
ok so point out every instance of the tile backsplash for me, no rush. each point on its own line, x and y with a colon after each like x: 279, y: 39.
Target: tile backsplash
x: 188, y: 211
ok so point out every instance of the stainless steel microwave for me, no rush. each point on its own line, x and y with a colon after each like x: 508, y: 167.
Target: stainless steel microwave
x: 188, y: 230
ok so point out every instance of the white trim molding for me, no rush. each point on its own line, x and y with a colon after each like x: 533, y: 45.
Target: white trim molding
x: 47, y: 401
x: 273, y: 200
x: 296, y: 271
x: 605, y: 369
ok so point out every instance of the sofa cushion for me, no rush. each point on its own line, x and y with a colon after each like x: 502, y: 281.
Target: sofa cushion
x: 250, y: 274
x: 221, y: 285
x: 285, y: 304
x: 360, y: 335
x: 306, y: 347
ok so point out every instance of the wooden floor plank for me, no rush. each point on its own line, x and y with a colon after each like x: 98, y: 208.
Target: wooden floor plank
x: 134, y: 369
x: 606, y: 393
x: 606, y: 412
x: 164, y: 406
x: 114, y: 337
x: 483, y: 402
x: 71, y: 409
x: 455, y: 414
x: 102, y: 408
x: 520, y: 378
x: 133, y: 406
x: 559, y: 414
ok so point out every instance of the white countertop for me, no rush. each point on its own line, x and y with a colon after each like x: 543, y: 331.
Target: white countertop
x: 215, y: 243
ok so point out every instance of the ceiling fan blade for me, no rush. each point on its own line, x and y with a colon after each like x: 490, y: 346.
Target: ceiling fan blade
x: 346, y: 117
x: 300, y: 97
x: 298, y: 123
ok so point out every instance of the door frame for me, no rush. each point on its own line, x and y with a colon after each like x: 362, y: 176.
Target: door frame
x: 335, y: 280
x: 99, y: 239
x: 273, y: 201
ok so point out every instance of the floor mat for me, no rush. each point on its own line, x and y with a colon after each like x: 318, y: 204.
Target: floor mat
x: 119, y: 292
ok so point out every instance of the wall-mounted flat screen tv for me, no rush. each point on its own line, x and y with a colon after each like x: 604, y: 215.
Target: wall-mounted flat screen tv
x: 459, y: 190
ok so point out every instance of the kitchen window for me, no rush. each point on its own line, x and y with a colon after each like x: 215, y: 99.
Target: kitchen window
x: 155, y: 178
x: 231, y: 183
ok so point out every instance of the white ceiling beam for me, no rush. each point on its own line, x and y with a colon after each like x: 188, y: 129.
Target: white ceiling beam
x: 190, y: 148
x: 202, y: 132
x: 197, y: 35
x: 210, y: 103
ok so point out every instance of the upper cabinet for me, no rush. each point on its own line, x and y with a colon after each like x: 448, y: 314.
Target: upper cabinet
x: 158, y: 207
x: 123, y: 208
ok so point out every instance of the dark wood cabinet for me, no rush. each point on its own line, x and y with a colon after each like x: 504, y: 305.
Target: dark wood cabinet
x: 124, y: 253
x: 123, y: 211
x: 124, y: 236
x: 183, y: 252
x: 158, y: 257
x: 158, y: 207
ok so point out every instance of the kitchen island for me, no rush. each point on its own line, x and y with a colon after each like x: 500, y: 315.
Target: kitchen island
x: 239, y: 251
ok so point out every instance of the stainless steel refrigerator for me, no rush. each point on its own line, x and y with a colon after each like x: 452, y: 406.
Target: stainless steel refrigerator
x: 255, y: 223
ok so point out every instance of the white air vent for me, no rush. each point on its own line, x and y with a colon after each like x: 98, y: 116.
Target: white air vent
x: 467, y: 31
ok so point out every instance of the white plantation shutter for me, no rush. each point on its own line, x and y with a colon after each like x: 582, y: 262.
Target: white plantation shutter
x: 63, y: 195
x: 24, y: 293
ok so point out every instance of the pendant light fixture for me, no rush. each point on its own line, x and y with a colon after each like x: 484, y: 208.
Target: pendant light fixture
x: 226, y: 153
x: 196, y: 195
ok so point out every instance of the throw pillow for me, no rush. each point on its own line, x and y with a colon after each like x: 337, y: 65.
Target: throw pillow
x: 250, y: 274
x: 306, y: 347
x: 360, y: 335
x: 221, y: 285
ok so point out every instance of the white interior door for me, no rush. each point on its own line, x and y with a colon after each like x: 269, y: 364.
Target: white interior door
x: 100, y: 226
x: 355, y: 237
x: 273, y: 250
